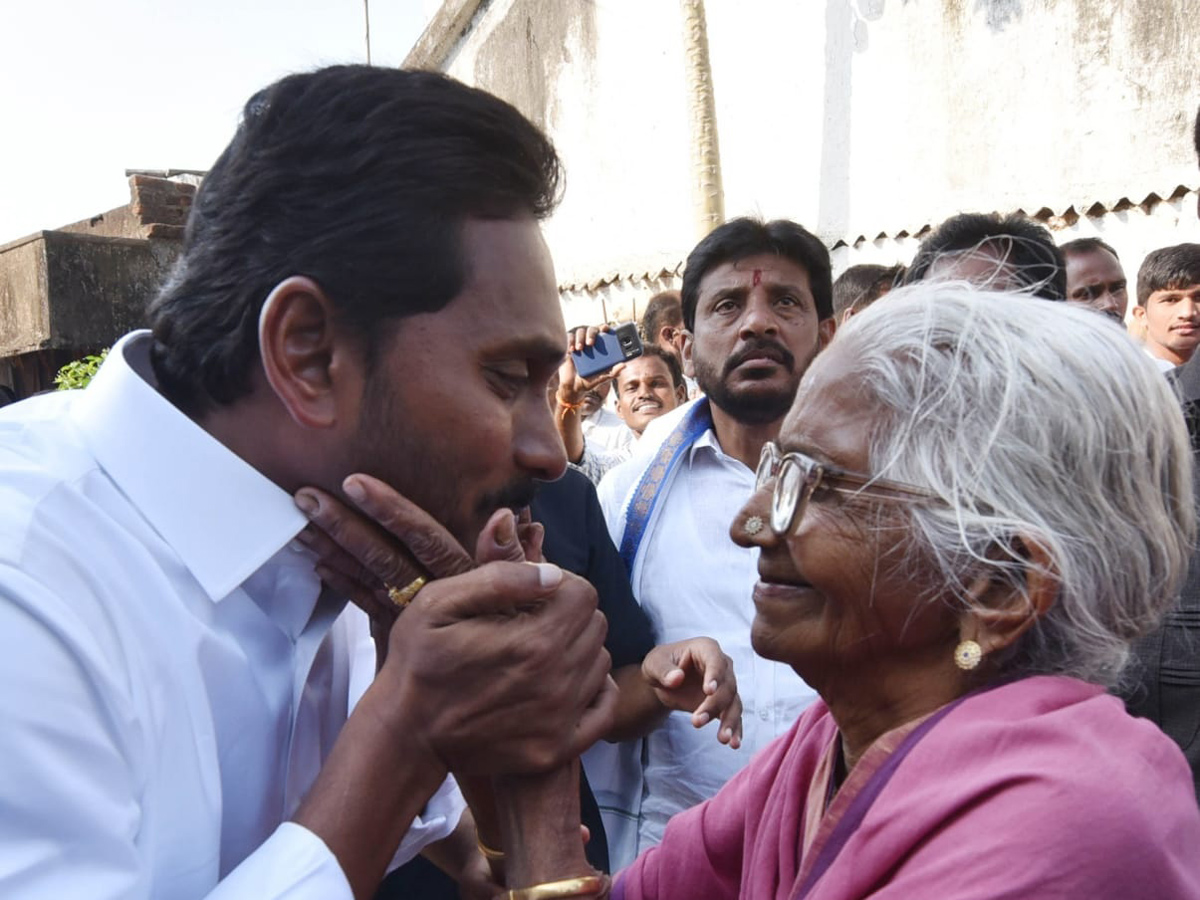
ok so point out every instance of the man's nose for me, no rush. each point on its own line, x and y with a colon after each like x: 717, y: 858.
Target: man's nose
x: 538, y: 448
x: 759, y: 316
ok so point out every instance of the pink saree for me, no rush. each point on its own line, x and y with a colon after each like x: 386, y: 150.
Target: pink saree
x: 1043, y: 788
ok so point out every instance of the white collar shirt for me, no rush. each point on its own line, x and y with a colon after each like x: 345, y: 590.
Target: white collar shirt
x: 605, y: 430
x: 1164, y: 365
x: 175, y: 674
x: 693, y: 580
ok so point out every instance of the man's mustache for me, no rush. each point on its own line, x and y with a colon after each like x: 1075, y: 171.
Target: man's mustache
x: 516, y: 496
x: 761, y: 347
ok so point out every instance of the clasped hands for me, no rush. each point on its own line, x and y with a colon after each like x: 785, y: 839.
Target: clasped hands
x: 388, y: 540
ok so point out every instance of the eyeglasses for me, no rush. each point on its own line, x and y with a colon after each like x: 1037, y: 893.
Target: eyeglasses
x: 797, y: 476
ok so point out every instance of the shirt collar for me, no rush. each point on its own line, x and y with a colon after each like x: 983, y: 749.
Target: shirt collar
x: 219, y: 514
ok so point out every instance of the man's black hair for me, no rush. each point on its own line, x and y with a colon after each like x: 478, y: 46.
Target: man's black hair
x: 671, y: 360
x: 740, y: 238
x: 1168, y: 269
x: 860, y: 286
x: 358, y: 177
x: 1024, y: 245
x: 663, y: 309
x: 1080, y: 246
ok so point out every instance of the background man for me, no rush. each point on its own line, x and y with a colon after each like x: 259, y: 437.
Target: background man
x: 1005, y: 252
x: 1168, y: 303
x: 181, y: 726
x: 662, y: 322
x: 1095, y: 277
x: 860, y: 286
x: 654, y: 380
x: 1167, y: 662
x: 649, y: 386
x: 757, y: 303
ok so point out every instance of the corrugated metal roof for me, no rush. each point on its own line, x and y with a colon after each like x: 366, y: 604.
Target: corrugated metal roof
x: 1054, y: 218
x: 1064, y: 217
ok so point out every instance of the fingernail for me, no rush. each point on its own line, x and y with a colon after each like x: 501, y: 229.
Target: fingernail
x: 308, y: 503
x: 549, y: 575
x: 703, y: 719
x: 506, y: 531
x: 354, y: 490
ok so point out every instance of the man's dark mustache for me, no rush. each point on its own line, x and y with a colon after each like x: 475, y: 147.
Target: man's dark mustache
x: 516, y: 496
x: 761, y: 347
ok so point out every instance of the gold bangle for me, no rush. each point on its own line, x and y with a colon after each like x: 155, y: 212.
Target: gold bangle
x: 487, y: 851
x: 584, y: 886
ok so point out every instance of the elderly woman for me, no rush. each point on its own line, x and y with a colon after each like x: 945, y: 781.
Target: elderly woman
x: 976, y: 503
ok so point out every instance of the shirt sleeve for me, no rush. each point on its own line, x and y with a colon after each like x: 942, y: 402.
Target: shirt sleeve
x: 77, y: 762
x: 293, y: 864
x: 596, y: 463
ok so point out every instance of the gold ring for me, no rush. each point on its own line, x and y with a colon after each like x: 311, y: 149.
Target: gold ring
x: 404, y: 596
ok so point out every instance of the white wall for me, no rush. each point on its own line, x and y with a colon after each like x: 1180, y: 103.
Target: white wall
x: 865, y: 120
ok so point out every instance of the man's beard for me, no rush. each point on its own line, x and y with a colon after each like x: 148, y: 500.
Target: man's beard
x: 413, y: 465
x: 748, y: 405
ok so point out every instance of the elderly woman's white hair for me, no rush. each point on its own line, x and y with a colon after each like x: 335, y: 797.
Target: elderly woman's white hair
x: 1033, y: 421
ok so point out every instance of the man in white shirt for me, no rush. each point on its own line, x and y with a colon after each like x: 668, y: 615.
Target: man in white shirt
x: 175, y: 722
x: 757, y: 303
x: 1168, y: 304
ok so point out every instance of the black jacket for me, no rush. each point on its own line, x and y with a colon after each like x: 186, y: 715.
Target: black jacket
x: 1165, y: 673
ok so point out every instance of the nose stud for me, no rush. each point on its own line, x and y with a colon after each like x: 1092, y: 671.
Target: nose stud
x: 753, y: 525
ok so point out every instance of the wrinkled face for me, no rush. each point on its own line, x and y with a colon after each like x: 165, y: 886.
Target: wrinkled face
x: 1096, y: 279
x: 1172, y: 321
x: 454, y: 413
x: 645, y: 391
x: 756, y: 332
x: 840, y: 597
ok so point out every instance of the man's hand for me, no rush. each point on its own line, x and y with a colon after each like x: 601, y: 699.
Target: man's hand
x: 572, y: 388
x: 571, y: 385
x: 696, y: 676
x: 501, y: 668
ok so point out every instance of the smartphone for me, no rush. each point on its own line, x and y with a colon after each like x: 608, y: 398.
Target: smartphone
x: 611, y: 347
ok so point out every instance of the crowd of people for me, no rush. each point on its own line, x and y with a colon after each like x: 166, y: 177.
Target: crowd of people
x: 340, y: 580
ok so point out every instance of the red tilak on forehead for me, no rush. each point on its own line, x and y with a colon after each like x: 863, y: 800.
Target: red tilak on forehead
x: 757, y: 280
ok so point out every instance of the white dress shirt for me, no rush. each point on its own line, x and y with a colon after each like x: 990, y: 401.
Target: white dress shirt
x: 174, y: 675
x: 693, y: 580
x: 1164, y: 365
x: 605, y: 430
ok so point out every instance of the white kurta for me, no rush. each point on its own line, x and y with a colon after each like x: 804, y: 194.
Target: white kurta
x: 173, y: 674
x: 693, y: 580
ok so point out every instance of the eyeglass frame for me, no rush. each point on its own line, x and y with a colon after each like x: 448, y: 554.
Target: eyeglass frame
x: 822, y: 475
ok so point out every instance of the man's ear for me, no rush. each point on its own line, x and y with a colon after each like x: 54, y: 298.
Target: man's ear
x: 1139, y: 313
x: 825, y: 332
x: 298, y: 344
x: 999, y: 613
x: 666, y: 336
x: 681, y: 393
x: 685, y: 350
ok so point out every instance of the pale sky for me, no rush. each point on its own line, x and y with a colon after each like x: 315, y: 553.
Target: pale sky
x: 90, y: 88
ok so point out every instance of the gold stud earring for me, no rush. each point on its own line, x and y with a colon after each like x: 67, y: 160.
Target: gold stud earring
x: 967, y: 655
